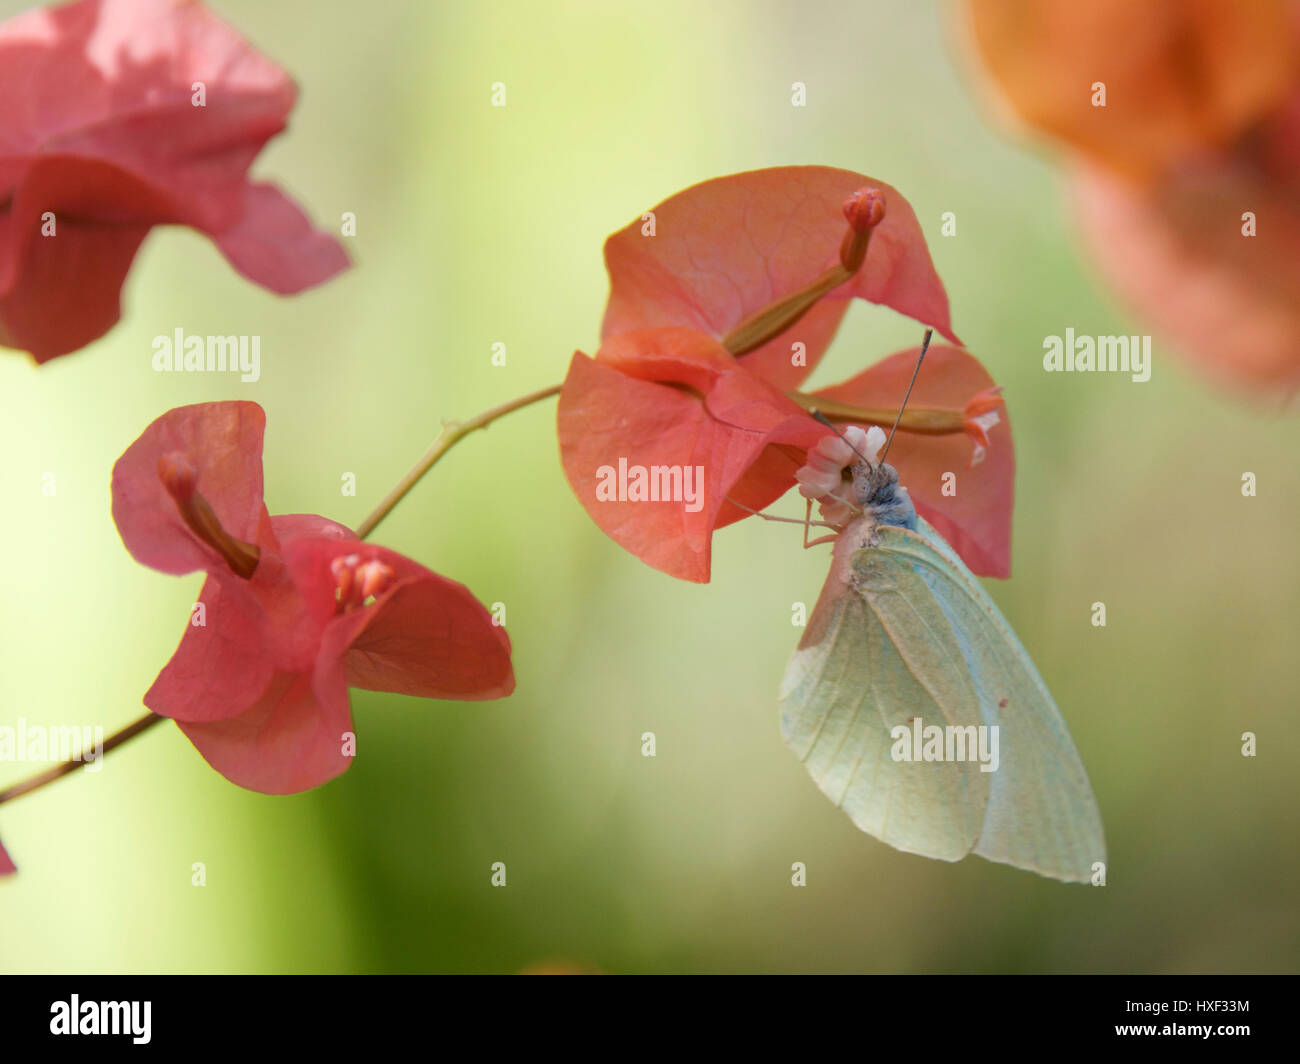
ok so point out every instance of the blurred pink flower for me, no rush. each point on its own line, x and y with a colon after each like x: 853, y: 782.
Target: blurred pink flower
x: 121, y: 115
x: 1210, y: 257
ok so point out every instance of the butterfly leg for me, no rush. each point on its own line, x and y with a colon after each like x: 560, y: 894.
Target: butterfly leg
x: 807, y: 524
x: 787, y: 520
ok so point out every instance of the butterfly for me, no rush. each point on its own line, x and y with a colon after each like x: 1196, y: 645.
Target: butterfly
x: 905, y: 662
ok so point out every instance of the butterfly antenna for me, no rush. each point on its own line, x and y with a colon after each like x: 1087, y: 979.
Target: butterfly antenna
x: 817, y: 415
x: 925, y: 345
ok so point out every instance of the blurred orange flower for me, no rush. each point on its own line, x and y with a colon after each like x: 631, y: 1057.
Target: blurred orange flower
x: 1183, y: 120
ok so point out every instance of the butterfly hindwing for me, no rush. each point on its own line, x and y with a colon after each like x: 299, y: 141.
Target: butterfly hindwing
x: 850, y: 684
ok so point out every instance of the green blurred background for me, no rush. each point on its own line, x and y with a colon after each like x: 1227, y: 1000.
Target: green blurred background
x: 479, y: 225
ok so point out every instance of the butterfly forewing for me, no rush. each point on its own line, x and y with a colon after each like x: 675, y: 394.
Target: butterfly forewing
x: 875, y: 661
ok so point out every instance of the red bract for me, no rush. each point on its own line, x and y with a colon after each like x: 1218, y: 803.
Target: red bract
x: 674, y: 400
x: 725, y: 248
x: 296, y: 608
x: 100, y: 139
x: 7, y: 867
x: 674, y: 430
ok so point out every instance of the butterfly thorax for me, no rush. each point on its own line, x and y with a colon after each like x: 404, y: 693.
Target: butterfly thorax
x: 878, y: 492
x: 883, y: 501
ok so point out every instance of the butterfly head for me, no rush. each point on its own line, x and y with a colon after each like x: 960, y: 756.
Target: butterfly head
x: 844, y: 473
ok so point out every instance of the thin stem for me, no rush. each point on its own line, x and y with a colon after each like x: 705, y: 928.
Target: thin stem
x: 59, y: 771
x: 452, y: 433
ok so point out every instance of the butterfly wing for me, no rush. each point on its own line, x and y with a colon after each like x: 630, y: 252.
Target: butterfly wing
x: 1041, y: 815
x: 937, y: 647
x: 870, y: 660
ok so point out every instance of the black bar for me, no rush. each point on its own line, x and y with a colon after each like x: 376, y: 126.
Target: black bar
x: 1053, y: 1015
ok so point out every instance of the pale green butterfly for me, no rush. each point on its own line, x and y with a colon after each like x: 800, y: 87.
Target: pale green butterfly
x: 903, y: 633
